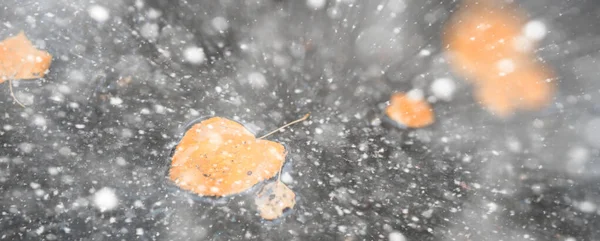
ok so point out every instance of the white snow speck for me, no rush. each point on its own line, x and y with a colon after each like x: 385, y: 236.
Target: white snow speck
x: 116, y: 101
x: 194, y: 55
x: 64, y: 89
x: 138, y: 204
x: 424, y: 52
x: 376, y: 122
x: 65, y: 151
x: 74, y: 105
x: 149, y: 31
x: 287, y: 178
x: 220, y: 24
x: 53, y: 171
x: 121, y: 161
x: 396, y: 236
x: 99, y: 13
x: 415, y: 94
x: 159, y: 109
x: 40, y: 230
x: 443, y: 88
x: 586, y: 207
x: 427, y: 213
x: 492, y: 207
x: 318, y: 131
x: 139, y: 231
x: 106, y: 199
x: 316, y: 4
x: 34, y: 185
x: 535, y: 30
x: 26, y: 147
x: 257, y: 80
x: 153, y: 13
x: 39, y: 120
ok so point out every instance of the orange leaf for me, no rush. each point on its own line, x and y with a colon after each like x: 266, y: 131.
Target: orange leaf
x: 219, y: 157
x: 19, y: 59
x: 480, y: 35
x: 486, y: 45
x: 410, y: 112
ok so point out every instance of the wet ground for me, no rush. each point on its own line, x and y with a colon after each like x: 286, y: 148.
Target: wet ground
x: 87, y: 158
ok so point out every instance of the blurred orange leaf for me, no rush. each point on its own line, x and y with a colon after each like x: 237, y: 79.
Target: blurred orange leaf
x: 486, y: 45
x: 409, y: 111
x: 19, y: 59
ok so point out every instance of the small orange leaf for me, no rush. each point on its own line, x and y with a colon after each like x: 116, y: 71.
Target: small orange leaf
x: 19, y: 59
x: 219, y: 157
x: 411, y: 112
x: 273, y: 199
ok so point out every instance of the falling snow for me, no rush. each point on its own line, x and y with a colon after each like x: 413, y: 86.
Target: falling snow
x: 105, y: 199
x: 88, y: 155
x: 443, y: 88
x: 316, y: 4
x: 194, y: 55
x: 99, y: 13
x: 396, y: 236
x: 535, y: 30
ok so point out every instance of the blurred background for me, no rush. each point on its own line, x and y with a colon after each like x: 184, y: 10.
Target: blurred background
x: 87, y: 158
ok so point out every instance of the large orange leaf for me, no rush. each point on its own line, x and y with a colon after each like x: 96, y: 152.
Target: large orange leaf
x: 219, y: 157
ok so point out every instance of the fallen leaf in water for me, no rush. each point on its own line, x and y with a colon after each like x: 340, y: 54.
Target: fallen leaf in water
x: 219, y: 157
x: 19, y: 59
x: 410, y: 111
x: 486, y: 45
x: 273, y: 199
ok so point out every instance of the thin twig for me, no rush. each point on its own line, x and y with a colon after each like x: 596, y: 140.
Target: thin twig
x: 13, y: 93
x: 10, y: 87
x: 286, y: 125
